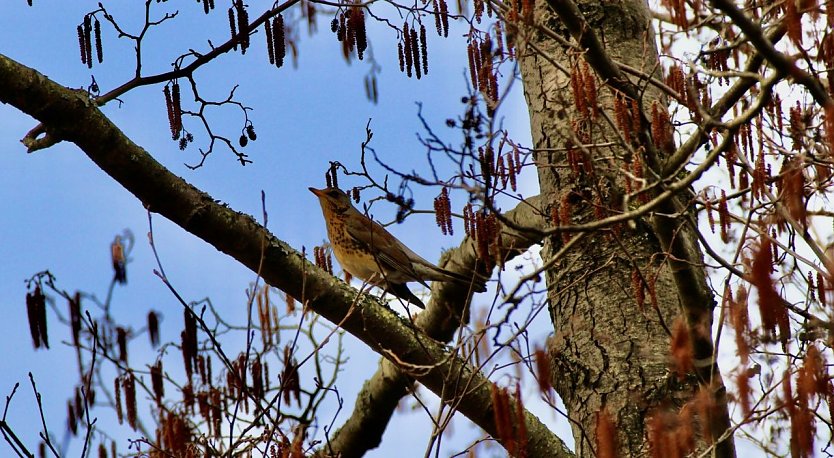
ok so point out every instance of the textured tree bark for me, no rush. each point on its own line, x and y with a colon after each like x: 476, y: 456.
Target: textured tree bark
x: 608, y: 350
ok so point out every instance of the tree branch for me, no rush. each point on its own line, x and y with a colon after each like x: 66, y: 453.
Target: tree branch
x: 72, y: 116
x: 764, y: 46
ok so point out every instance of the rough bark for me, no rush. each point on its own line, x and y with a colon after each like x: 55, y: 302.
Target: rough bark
x: 608, y: 350
x: 70, y: 115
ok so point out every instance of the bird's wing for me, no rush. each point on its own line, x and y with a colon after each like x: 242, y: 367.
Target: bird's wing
x: 385, y: 247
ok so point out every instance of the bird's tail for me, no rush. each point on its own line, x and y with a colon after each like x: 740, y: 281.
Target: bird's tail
x: 401, y: 290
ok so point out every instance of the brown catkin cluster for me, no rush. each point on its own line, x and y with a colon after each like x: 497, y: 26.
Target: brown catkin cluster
x: 718, y: 58
x: 627, y: 115
x: 510, y: 424
x: 371, y: 91
x: 511, y: 172
x: 484, y: 229
x: 88, y: 46
x: 486, y: 159
x: 688, y: 89
x: 153, y: 328
x: 87, y: 32
x: 239, y: 25
x: 257, y: 372
x: 332, y: 176
x: 441, y: 17
x: 350, y: 31
x: 443, y: 212
x: 411, y: 50
x: 481, y: 71
x: 289, y: 377
x: 772, y: 308
x: 681, y: 349
x: 415, y: 51
x: 121, y: 341
x: 638, y: 287
x: 356, y: 29
x: 341, y: 29
x: 583, y: 85
x: 740, y: 321
x: 709, y: 209
x: 233, y: 27
x: 117, y: 397
x: 188, y: 338
x: 175, y: 437
x: 487, y: 232
x: 606, y: 434
x: 266, y: 314
x: 499, y: 41
x: 157, y: 382
x: 791, y: 187
x: 36, y: 312
x: 543, y: 371
x: 469, y: 220
x: 775, y: 111
x: 724, y: 217
x: 129, y: 385
x: 796, y: 126
x: 501, y: 172
x: 208, y: 5
x: 677, y: 12
x: 579, y: 163
x: 279, y: 44
x: 672, y: 432
x: 270, y: 44
x: 662, y: 129
x: 323, y: 260
x: 236, y: 381
x: 75, y: 318
x: 522, y: 8
x: 97, y: 34
x: 409, y: 57
x: 793, y: 17
x: 172, y: 104
x: 424, y: 52
x: 77, y: 406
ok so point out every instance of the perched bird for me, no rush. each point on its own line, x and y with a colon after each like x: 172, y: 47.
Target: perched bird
x: 117, y: 254
x: 367, y: 251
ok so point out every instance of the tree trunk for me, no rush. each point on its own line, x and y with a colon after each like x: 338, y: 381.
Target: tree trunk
x: 608, y: 349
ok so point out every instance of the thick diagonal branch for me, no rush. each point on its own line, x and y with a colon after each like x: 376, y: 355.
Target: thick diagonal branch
x: 72, y: 116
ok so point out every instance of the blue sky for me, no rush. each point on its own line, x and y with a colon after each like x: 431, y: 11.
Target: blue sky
x: 61, y: 212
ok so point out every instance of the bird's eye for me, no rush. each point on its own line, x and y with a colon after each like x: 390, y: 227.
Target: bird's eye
x: 333, y: 193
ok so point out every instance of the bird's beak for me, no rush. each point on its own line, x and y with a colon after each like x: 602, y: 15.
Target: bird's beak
x: 317, y: 192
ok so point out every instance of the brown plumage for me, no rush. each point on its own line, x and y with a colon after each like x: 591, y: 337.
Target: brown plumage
x: 367, y: 251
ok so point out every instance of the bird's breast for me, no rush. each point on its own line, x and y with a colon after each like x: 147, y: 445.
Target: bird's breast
x: 352, y: 255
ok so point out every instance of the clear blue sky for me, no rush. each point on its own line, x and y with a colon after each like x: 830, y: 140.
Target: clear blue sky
x: 60, y: 211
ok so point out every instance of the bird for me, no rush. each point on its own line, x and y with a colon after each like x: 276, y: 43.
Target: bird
x: 368, y: 251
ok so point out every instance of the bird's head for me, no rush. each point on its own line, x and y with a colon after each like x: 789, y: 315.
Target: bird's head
x: 332, y: 200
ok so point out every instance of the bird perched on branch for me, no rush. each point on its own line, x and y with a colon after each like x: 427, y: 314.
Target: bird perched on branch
x: 367, y: 251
